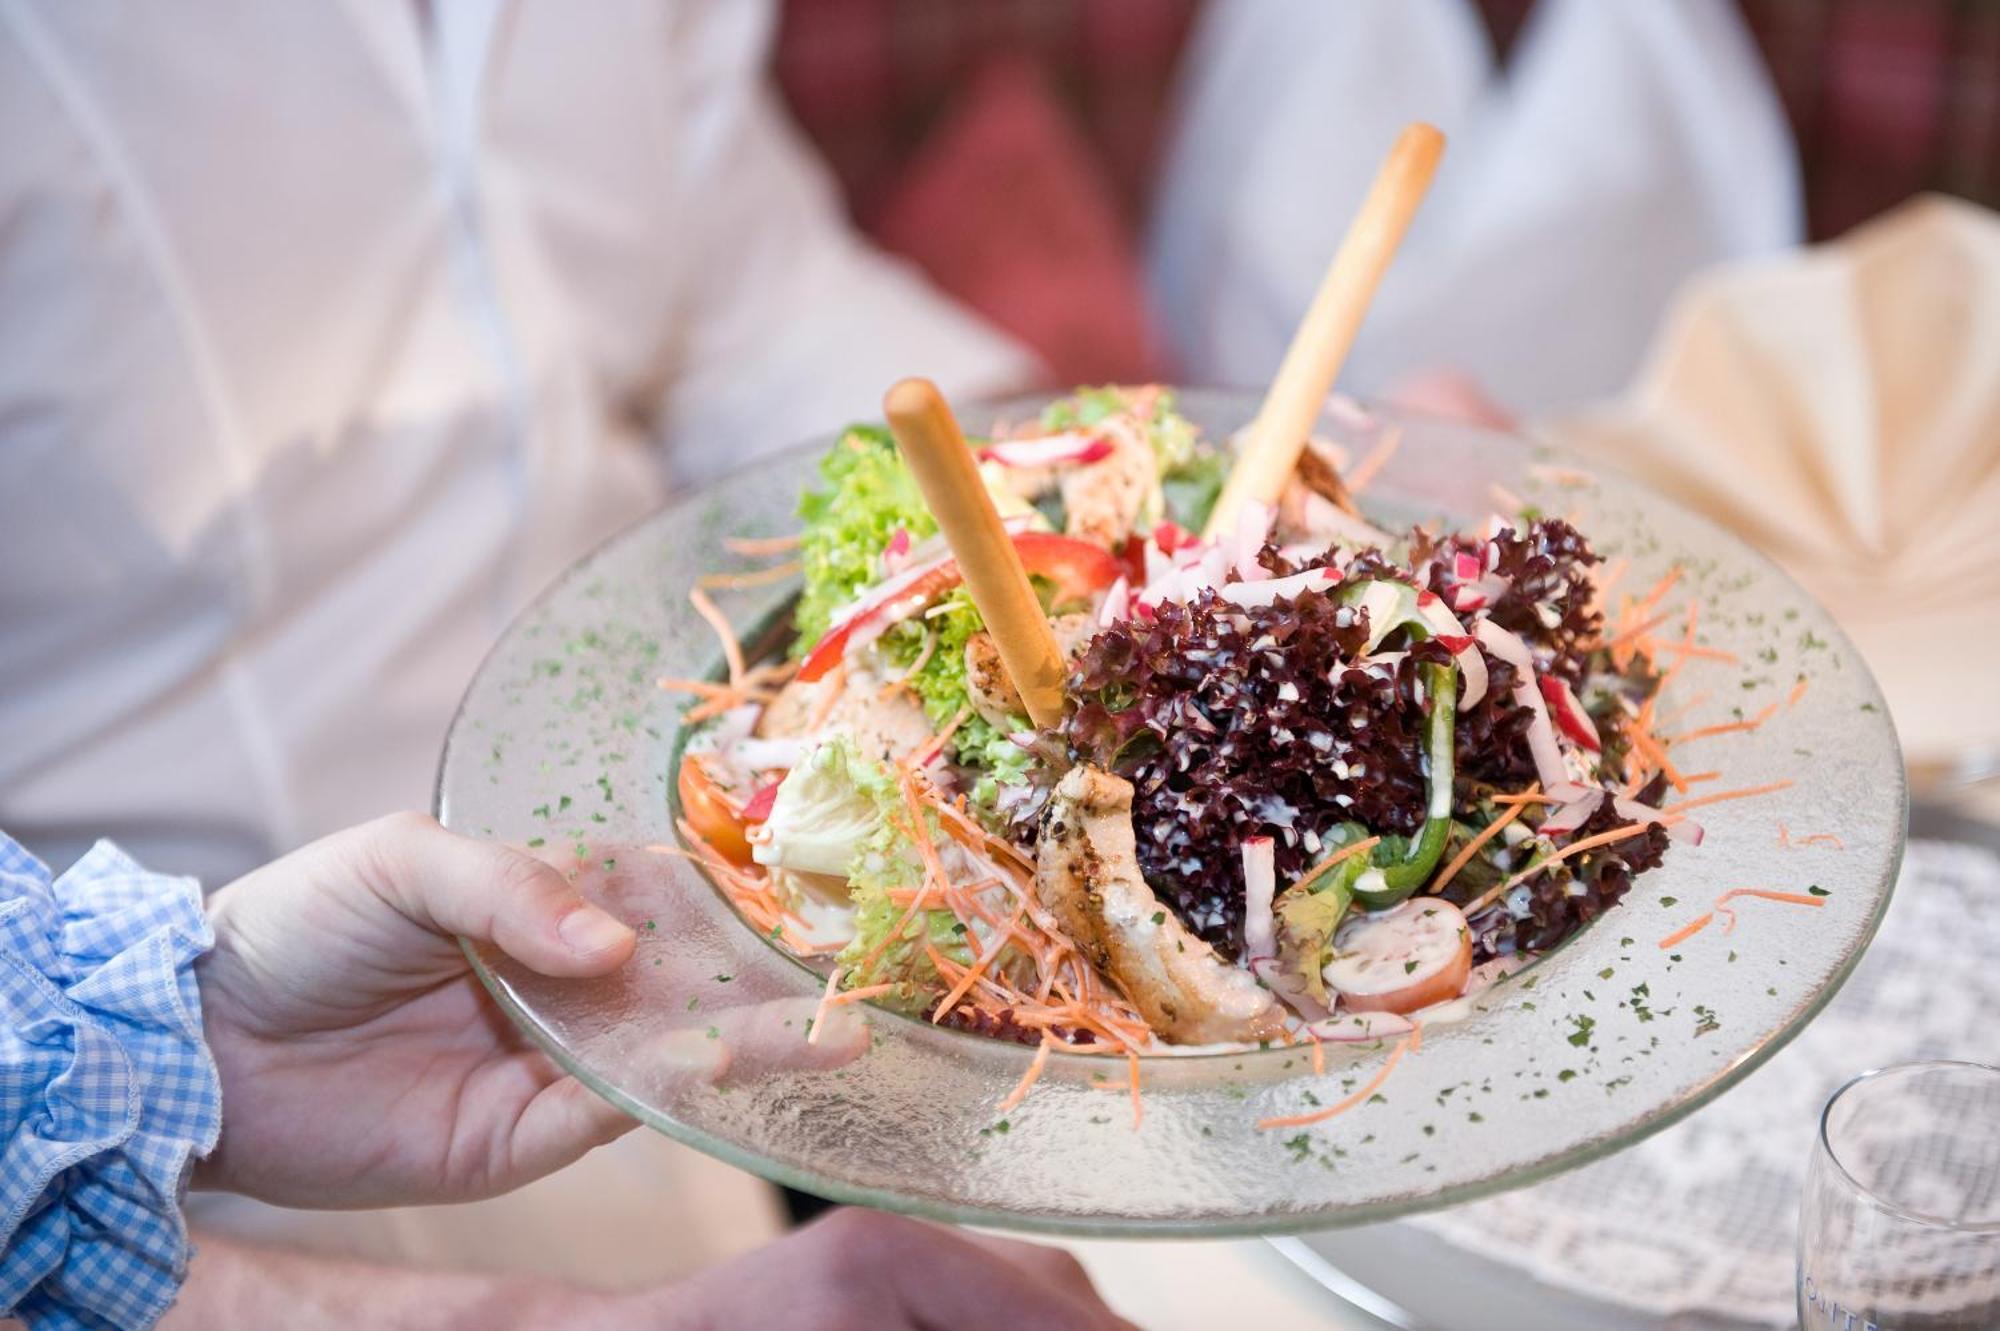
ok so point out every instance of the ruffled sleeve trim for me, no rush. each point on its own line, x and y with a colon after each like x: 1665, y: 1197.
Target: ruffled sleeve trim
x: 107, y: 1090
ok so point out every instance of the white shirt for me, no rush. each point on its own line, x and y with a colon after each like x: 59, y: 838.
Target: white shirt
x: 330, y: 332
x: 1626, y: 146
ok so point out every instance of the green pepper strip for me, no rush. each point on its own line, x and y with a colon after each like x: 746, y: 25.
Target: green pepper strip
x: 1405, y: 873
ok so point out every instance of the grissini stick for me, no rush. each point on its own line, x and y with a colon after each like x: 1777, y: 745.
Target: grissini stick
x: 1326, y: 333
x: 947, y: 474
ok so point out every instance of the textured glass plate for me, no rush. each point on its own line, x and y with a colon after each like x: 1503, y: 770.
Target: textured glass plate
x: 564, y: 742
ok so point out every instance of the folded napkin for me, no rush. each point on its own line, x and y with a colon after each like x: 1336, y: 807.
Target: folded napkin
x: 1839, y: 408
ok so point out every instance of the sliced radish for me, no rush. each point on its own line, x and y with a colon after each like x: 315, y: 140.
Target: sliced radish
x: 1572, y: 815
x: 759, y: 807
x: 1078, y: 569
x: 1260, y: 886
x: 1684, y: 830
x: 1269, y: 591
x: 1071, y: 446
x: 1542, y: 744
x: 1117, y: 602
x: 1404, y: 958
x: 1444, y: 626
x: 1570, y: 718
x: 1466, y: 567
x: 1253, y: 528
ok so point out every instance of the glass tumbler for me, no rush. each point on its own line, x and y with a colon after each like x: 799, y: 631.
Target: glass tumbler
x: 1900, y: 1226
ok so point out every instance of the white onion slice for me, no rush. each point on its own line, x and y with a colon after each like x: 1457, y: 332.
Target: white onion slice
x: 1471, y: 664
x: 1251, y: 594
x: 1260, y: 887
x: 1572, y: 815
x: 1542, y: 744
x: 1049, y: 450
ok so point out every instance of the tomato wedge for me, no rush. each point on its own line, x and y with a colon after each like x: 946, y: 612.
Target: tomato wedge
x: 1077, y: 568
x: 710, y: 812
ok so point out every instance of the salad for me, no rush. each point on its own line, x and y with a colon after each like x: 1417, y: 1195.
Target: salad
x: 1311, y: 780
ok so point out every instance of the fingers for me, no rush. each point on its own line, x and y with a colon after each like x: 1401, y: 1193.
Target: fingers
x: 489, y: 892
x: 563, y: 1121
x: 945, y: 1280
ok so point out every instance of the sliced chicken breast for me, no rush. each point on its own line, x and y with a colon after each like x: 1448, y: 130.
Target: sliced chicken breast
x: 1087, y: 875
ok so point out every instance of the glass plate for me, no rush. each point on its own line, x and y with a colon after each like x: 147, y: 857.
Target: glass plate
x: 564, y: 742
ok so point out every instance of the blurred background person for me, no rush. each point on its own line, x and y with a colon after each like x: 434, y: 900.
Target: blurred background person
x: 329, y: 334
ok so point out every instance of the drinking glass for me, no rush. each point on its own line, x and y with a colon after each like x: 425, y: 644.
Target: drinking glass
x: 1900, y: 1227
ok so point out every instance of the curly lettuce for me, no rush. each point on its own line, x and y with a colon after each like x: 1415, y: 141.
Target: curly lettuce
x: 866, y: 494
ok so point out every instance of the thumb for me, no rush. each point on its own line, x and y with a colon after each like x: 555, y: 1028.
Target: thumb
x: 452, y: 884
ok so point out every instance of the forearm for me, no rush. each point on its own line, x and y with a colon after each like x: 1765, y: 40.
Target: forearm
x: 232, y: 1285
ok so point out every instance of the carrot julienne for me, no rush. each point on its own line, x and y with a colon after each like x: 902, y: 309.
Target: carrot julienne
x: 732, y: 649
x: 818, y: 1022
x: 1032, y: 1075
x: 1798, y: 692
x: 1747, y: 792
x: 760, y: 545
x: 756, y: 578
x: 1499, y: 889
x: 1342, y: 1106
x: 1764, y: 894
x: 1687, y: 931
x: 1366, y: 470
x: 1464, y: 857
x: 1727, y: 727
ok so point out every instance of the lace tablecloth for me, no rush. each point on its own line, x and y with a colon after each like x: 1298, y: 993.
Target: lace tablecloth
x: 1702, y: 1217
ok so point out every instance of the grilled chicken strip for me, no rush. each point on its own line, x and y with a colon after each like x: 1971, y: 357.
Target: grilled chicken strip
x: 993, y: 694
x: 886, y: 729
x: 1087, y: 875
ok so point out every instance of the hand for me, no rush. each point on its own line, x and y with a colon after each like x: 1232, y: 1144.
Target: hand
x: 852, y: 1271
x: 863, y: 1269
x: 361, y: 1063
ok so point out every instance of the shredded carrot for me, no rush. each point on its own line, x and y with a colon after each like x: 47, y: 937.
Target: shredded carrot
x: 1378, y: 457
x: 1319, y: 1051
x: 1798, y: 692
x: 1822, y: 839
x: 1653, y: 752
x: 818, y: 1022
x: 1032, y: 1075
x: 923, y: 658
x: 1659, y: 589
x: 1531, y: 795
x: 760, y: 545
x: 1612, y: 574
x: 1344, y: 853
x: 857, y: 995
x: 1568, y: 477
x: 1636, y: 632
x: 1687, y: 647
x: 701, y: 688
x: 732, y: 650
x: 1746, y: 792
x: 1727, y: 728
x: 830, y: 687
x: 1763, y: 894
x: 1464, y: 857
x: 1359, y: 1097
x: 761, y: 577
x: 921, y: 755
x: 1573, y: 848
x: 1138, y: 1109
x: 1687, y: 931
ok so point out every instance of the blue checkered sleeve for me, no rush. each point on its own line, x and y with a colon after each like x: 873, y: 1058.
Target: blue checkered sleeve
x: 107, y: 1090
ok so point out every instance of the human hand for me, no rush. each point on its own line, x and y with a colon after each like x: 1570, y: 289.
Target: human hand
x: 858, y: 1269
x: 361, y: 1062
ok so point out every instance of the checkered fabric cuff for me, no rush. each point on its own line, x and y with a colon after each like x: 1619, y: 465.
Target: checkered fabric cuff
x: 107, y: 1090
